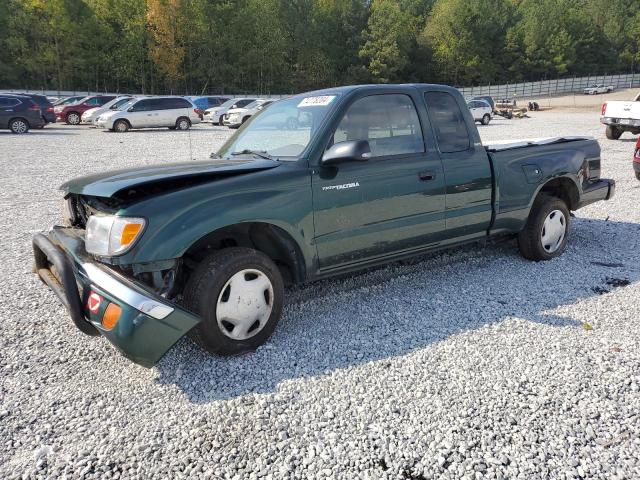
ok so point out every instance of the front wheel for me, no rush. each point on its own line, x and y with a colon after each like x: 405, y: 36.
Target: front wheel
x: 121, y: 126
x: 547, y: 230
x: 486, y: 119
x: 613, y: 133
x: 637, y: 175
x: 239, y: 293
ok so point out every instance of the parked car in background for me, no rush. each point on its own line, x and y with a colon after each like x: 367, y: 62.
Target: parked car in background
x: 68, y: 100
x: 204, y: 103
x: 237, y: 116
x: 176, y: 113
x: 46, y: 107
x: 215, y: 115
x: 481, y: 111
x: 18, y: 113
x: 91, y: 115
x: 487, y: 98
x: 621, y: 116
x: 598, y: 88
x: 636, y: 159
x: 72, y: 113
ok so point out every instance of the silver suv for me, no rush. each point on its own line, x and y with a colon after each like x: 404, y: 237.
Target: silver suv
x: 176, y: 113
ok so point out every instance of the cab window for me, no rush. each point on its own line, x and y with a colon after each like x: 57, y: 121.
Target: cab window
x: 448, y: 122
x: 388, y: 122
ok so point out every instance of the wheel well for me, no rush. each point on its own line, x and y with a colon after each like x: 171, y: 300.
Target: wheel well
x: 185, y: 117
x: 19, y: 118
x: 244, y: 119
x: 268, y: 239
x: 564, y: 189
x: 123, y: 120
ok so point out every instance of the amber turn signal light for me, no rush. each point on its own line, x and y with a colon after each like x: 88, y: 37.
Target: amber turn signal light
x: 111, y: 316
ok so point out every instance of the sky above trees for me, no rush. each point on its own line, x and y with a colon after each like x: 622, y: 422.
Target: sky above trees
x: 288, y: 46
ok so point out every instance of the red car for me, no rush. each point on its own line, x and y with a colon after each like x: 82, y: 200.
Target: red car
x: 72, y: 113
x: 636, y: 159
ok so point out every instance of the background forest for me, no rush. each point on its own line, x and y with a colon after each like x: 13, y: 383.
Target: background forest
x: 286, y: 46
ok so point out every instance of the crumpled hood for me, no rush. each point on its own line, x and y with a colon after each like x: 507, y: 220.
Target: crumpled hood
x: 110, y: 183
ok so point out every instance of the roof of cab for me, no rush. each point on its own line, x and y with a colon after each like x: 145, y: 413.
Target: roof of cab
x: 376, y: 86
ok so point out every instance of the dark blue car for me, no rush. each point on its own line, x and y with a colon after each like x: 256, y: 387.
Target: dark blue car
x: 204, y: 103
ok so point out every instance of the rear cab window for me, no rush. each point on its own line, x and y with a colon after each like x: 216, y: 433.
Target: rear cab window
x: 389, y: 122
x: 448, y: 122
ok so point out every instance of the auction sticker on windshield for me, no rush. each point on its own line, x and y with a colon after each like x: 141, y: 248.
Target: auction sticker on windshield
x: 316, y: 101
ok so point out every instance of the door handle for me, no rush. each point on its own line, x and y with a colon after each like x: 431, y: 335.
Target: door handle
x: 426, y: 176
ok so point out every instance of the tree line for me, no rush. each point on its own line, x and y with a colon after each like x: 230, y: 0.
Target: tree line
x: 286, y: 46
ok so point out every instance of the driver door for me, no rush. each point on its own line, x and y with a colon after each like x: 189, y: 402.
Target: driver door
x: 391, y: 204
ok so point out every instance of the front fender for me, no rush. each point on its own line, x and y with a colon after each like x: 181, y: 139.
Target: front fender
x: 177, y: 220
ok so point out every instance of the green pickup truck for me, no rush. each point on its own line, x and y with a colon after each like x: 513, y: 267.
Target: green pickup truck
x: 314, y: 185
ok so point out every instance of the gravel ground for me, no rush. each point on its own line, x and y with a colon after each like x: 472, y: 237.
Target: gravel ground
x: 469, y: 364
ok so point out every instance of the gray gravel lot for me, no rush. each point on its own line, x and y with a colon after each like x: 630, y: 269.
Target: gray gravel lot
x: 469, y: 364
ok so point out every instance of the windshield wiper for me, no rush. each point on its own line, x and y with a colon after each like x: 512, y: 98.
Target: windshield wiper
x: 258, y: 153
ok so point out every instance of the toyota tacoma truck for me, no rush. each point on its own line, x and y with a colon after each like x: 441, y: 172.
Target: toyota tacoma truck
x: 620, y: 117
x: 375, y: 174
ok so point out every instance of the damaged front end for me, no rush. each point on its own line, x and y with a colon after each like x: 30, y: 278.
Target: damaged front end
x: 147, y: 324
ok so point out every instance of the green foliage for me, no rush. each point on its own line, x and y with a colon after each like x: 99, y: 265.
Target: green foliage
x: 285, y: 46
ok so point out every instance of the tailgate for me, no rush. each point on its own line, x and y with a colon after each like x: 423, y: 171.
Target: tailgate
x: 622, y: 110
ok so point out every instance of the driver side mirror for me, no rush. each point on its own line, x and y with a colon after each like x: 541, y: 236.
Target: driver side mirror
x: 349, y: 151
x: 130, y: 109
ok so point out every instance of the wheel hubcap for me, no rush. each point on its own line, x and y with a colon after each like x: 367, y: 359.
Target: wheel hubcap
x: 553, y: 231
x: 19, y: 127
x: 244, y: 304
x: 183, y: 125
x: 121, y: 127
x: 73, y: 119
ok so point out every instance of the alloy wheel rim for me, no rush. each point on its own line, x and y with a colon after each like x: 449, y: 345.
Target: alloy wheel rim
x: 245, y: 304
x: 183, y: 125
x: 19, y: 126
x: 553, y: 232
x: 74, y: 119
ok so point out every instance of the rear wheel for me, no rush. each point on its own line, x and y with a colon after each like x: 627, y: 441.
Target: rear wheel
x: 183, y: 123
x: 73, y: 118
x: 613, y: 133
x: 121, y: 126
x: 239, y: 293
x: 547, y: 230
x: 19, y: 125
x: 486, y: 119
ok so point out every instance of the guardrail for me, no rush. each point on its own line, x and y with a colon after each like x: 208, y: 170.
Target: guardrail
x: 552, y: 87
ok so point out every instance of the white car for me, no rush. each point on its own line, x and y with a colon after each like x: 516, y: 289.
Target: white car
x: 175, y: 113
x: 215, y: 114
x: 598, y: 88
x: 481, y: 111
x: 237, y: 116
x: 91, y: 115
x: 620, y: 117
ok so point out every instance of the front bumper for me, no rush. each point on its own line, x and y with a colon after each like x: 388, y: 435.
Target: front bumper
x: 149, y: 325
x: 602, y: 189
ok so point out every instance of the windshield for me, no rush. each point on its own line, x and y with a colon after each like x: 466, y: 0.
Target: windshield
x: 228, y: 103
x: 126, y: 104
x: 283, y: 130
x: 118, y: 103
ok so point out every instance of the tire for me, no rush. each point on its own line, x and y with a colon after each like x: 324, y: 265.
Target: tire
x: 550, y: 218
x: 613, y: 133
x: 486, y: 119
x: 19, y: 126
x: 212, y: 280
x: 183, y: 123
x: 73, y: 118
x: 121, y: 126
x: 637, y: 175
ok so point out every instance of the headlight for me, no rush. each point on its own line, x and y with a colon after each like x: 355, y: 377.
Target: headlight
x: 109, y: 235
